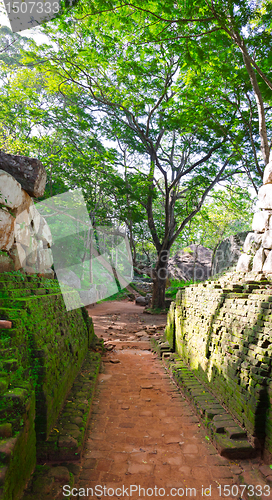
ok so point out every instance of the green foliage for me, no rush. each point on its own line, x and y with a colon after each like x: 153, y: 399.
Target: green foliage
x: 174, y: 96
x: 226, y: 212
x: 176, y: 285
x: 121, y: 295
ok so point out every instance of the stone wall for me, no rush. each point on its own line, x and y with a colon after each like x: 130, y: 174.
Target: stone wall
x: 25, y: 238
x: 222, y: 329
x: 41, y: 354
x: 257, y: 249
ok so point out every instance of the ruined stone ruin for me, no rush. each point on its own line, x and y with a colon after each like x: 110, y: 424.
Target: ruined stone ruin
x: 25, y: 237
x: 257, y: 256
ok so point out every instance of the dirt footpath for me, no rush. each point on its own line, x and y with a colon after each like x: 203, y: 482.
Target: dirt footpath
x: 144, y: 440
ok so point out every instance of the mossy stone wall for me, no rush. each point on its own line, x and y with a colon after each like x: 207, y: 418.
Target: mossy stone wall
x: 223, y: 330
x: 40, y: 357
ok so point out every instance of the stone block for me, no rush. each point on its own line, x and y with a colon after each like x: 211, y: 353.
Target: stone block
x: 35, y: 218
x: 6, y: 230
x: 265, y: 196
x: 244, y: 263
x: 267, y: 267
x: 260, y: 221
x: 31, y: 251
x: 18, y: 256
x: 43, y: 233
x: 267, y: 239
x: 10, y: 191
x: 22, y: 228
x: 27, y: 202
x: 267, y: 176
x: 44, y: 258
x: 252, y: 243
x: 258, y: 260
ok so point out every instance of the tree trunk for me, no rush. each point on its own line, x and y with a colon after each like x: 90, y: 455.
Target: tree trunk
x: 159, y: 281
x: 29, y: 172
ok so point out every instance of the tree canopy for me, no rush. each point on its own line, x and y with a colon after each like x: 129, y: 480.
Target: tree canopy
x: 146, y: 106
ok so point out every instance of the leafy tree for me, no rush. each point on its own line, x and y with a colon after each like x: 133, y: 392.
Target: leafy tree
x: 139, y: 95
x: 226, y: 212
x: 163, y: 102
x: 212, y: 31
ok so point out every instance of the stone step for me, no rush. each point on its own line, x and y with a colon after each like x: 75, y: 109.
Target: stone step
x: 26, y: 285
x: 20, y: 301
x: 14, y: 293
x: 228, y: 437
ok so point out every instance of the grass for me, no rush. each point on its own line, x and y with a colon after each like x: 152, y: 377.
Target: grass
x: 123, y: 294
x: 156, y: 310
x: 175, y: 286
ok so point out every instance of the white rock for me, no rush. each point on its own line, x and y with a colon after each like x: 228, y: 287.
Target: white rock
x: 252, y: 243
x: 267, y: 176
x: 31, y: 251
x: 35, y: 218
x: 22, y: 228
x: 265, y: 196
x: 31, y: 269
x: 44, y: 232
x: 244, y: 263
x: 27, y: 202
x: 7, y: 235
x: 18, y: 256
x: 23, y: 218
x: 10, y: 191
x: 45, y: 259
x: 260, y: 221
x: 267, y: 267
x: 267, y: 239
x: 258, y: 260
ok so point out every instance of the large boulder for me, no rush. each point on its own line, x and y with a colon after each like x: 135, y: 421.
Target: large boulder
x: 261, y: 221
x: 252, y: 243
x: 265, y: 197
x: 10, y: 191
x: 267, y: 176
x: 244, y: 263
x: 191, y: 263
x: 228, y: 252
